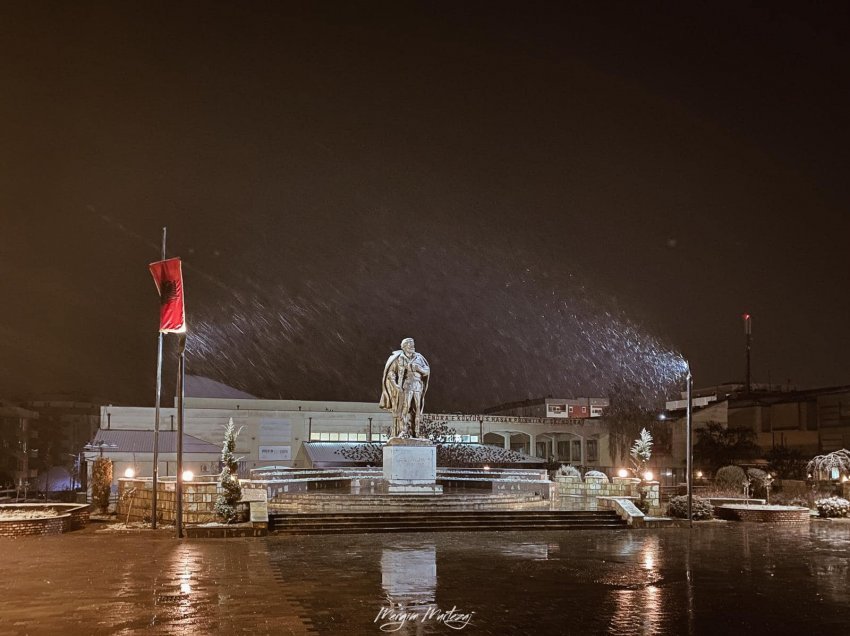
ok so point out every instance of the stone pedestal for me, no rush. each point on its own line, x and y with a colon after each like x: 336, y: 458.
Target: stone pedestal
x: 410, y: 467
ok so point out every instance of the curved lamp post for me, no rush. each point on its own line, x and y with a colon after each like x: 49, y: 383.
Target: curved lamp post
x: 689, y: 463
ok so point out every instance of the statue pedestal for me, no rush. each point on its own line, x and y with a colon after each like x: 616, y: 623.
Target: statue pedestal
x: 410, y: 467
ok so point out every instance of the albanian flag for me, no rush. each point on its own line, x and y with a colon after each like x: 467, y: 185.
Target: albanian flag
x: 168, y: 276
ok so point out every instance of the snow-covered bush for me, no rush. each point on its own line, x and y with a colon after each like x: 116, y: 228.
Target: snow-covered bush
x: 833, y: 507
x: 700, y: 508
x: 730, y: 478
x: 568, y: 471
x: 597, y: 474
x: 101, y: 486
x: 641, y: 452
x: 225, y: 504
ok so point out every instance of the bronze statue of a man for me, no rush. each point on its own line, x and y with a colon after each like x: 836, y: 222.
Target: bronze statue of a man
x: 404, y: 385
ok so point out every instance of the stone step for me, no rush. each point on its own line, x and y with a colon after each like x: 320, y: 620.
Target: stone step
x: 324, y: 502
x: 452, y: 514
x: 482, y: 528
x: 313, y: 495
x: 442, y: 521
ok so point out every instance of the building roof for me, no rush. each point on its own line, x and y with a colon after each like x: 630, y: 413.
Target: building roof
x: 201, y: 387
x: 129, y: 441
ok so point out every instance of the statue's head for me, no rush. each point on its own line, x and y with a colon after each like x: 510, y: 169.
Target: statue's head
x: 407, y: 346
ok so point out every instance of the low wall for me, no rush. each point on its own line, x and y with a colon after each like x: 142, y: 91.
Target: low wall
x: 764, y: 514
x: 70, y: 517
x: 135, y: 497
x: 618, y: 487
x: 626, y: 508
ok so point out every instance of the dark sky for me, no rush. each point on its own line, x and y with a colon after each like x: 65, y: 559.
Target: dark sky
x: 550, y: 200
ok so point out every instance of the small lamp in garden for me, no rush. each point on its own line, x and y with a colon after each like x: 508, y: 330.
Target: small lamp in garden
x: 746, y: 485
x: 768, y: 480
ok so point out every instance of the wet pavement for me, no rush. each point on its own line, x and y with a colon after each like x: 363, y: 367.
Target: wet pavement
x: 720, y: 578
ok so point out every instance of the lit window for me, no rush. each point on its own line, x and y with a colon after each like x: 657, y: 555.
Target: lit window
x: 473, y: 439
x: 314, y: 436
x: 361, y: 437
x: 334, y: 437
x: 324, y: 437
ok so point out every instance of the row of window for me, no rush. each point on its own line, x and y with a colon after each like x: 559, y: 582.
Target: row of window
x: 570, y: 451
x: 376, y: 437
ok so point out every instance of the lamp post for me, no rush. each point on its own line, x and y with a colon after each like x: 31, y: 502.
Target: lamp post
x: 689, y: 442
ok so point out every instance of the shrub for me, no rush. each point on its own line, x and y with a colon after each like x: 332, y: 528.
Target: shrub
x: 596, y: 473
x: 700, y: 508
x: 759, y: 482
x: 730, y: 477
x: 225, y: 504
x: 568, y: 471
x: 641, y: 451
x: 101, y: 483
x: 833, y: 507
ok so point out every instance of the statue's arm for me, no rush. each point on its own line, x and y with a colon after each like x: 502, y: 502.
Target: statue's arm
x: 422, y: 365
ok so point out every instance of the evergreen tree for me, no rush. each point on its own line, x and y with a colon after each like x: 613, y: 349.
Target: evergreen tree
x: 231, y: 490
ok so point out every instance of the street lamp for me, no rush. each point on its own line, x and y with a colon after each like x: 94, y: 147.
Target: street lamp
x: 689, y: 460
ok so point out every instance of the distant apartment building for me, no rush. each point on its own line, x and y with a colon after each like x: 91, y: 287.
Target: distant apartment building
x: 18, y: 437
x: 812, y: 421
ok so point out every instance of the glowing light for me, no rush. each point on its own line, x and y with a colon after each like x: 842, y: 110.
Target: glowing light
x: 699, y: 474
x: 648, y: 475
x: 188, y: 475
x: 622, y: 473
x: 129, y: 473
x: 486, y: 468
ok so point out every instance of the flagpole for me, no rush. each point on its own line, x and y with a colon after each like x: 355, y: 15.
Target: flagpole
x: 181, y: 374
x: 156, y: 417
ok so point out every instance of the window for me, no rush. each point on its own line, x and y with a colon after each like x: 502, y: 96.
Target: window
x: 314, y: 436
x: 324, y: 437
x: 576, y: 454
x: 592, y: 450
x: 564, y: 451
x: 361, y: 437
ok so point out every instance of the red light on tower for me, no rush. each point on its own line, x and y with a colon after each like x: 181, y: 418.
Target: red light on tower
x: 748, y: 324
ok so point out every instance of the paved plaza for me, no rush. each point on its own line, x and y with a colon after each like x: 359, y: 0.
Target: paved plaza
x: 718, y: 578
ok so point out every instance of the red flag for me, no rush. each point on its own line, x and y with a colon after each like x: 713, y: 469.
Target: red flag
x: 168, y: 277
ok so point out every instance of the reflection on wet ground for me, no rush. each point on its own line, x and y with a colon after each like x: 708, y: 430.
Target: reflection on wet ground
x: 719, y: 578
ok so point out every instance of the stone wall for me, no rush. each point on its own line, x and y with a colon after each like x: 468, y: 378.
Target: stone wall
x: 135, y: 497
x: 72, y: 517
x: 792, y: 516
x: 618, y: 487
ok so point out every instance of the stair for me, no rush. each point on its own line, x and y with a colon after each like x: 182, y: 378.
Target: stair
x: 343, y: 502
x: 442, y: 521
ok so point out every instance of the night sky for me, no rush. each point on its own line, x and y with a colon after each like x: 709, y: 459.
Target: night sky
x: 549, y: 200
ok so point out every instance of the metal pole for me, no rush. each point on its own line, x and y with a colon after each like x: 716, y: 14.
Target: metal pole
x: 156, y: 416
x: 689, y: 469
x: 181, y: 374
x: 748, y: 330
x: 370, y: 430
